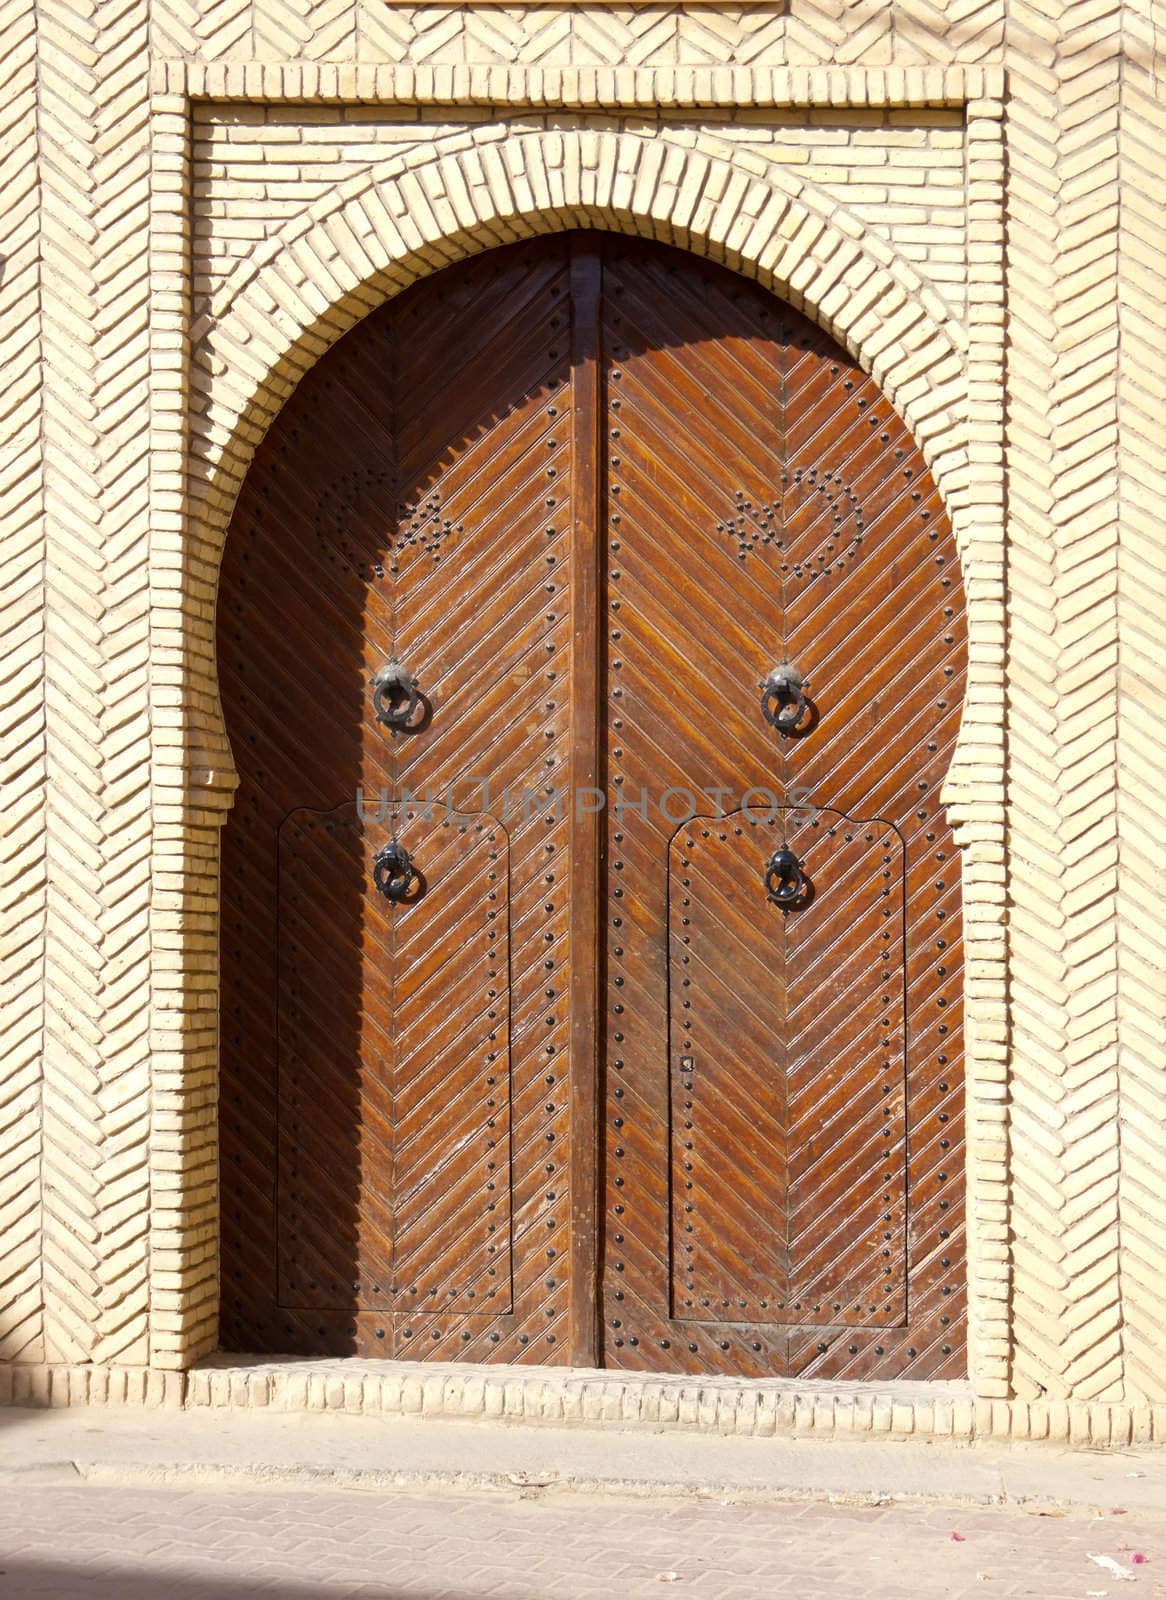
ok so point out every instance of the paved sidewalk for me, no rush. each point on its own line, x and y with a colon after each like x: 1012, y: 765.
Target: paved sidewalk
x: 117, y: 1504
x: 134, y: 1543
x: 205, y: 1447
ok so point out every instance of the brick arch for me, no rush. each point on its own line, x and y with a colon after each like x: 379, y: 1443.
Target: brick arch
x: 369, y: 239
x: 399, y: 220
x: 395, y: 222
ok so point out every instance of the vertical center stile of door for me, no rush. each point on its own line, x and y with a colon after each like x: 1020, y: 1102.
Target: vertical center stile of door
x: 390, y: 558
x: 585, y: 823
x: 783, y: 776
x: 783, y: 497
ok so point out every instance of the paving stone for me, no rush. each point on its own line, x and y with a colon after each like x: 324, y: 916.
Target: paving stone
x: 135, y: 1543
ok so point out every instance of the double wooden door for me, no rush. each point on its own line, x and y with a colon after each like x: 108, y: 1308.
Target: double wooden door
x: 591, y: 643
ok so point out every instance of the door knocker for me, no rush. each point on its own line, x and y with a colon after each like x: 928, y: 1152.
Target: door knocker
x: 394, y: 873
x: 784, y: 703
x: 786, y: 883
x: 396, y: 698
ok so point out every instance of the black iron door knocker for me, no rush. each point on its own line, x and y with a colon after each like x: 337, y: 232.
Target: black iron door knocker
x: 786, y: 883
x: 395, y: 875
x: 396, y: 699
x: 784, y: 702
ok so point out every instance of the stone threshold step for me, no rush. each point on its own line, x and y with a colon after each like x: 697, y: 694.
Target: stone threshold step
x: 557, y: 1396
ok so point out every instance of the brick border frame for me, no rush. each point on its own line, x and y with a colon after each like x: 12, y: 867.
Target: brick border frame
x: 216, y: 387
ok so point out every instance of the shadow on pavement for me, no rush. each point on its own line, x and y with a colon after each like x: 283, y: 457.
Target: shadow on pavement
x: 22, y: 1580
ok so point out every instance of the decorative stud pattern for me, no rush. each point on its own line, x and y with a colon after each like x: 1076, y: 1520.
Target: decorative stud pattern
x: 756, y: 526
x: 888, y: 636
x: 346, y: 503
x: 388, y: 1253
x: 773, y: 1242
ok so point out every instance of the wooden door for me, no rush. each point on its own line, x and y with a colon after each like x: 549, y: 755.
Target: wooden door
x: 394, y: 1072
x: 656, y: 1061
x: 799, y: 1063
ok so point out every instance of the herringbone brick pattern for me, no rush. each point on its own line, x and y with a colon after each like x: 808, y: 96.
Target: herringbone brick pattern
x: 1142, y: 699
x: 95, y: 194
x: 22, y: 747
x: 183, y: 1290
x: 135, y: 1543
x: 975, y: 800
x: 1063, y: 495
x: 949, y: 30
x: 802, y: 33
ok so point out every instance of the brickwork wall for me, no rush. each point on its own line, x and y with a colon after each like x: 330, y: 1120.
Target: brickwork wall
x: 22, y: 707
x: 900, y: 172
x: 200, y: 197
x: 802, y: 33
x: 1141, y: 584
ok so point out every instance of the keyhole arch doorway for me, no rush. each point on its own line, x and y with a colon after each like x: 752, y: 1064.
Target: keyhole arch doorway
x: 591, y: 1097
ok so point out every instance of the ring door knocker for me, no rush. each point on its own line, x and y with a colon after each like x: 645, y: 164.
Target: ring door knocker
x: 396, y: 698
x: 786, y: 883
x: 394, y: 873
x: 784, y: 703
